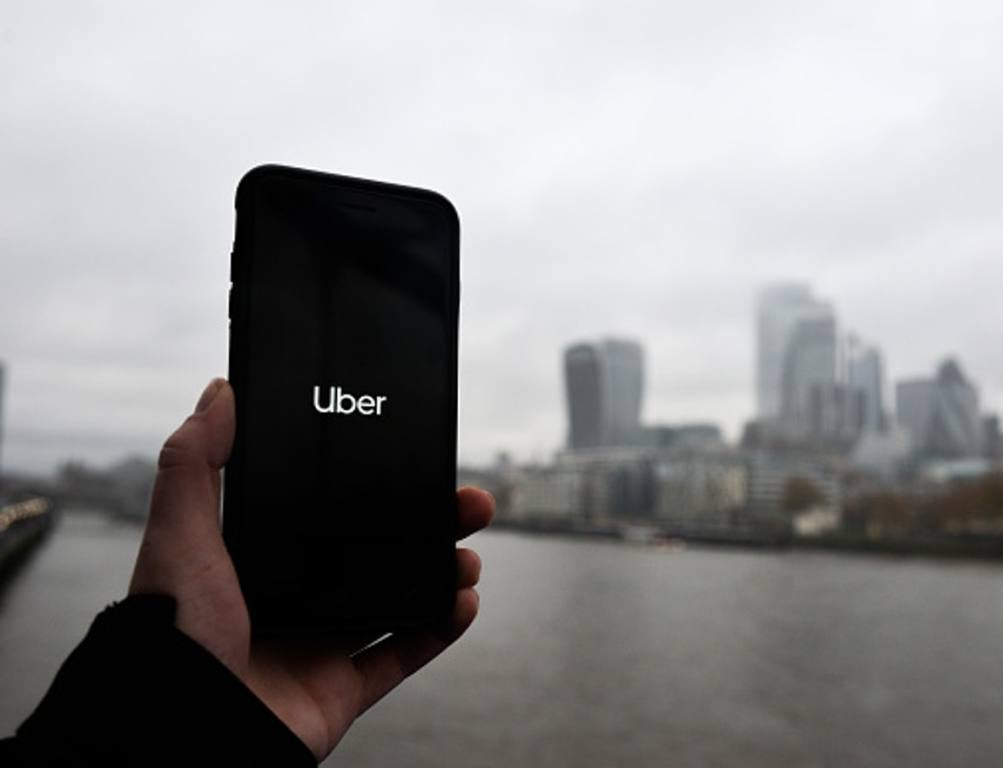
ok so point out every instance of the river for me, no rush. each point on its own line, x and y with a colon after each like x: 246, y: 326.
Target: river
x: 602, y: 654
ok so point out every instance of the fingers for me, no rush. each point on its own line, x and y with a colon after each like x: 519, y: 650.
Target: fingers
x: 475, y: 509
x: 206, y: 437
x: 182, y: 553
x: 182, y: 532
x: 468, y: 573
x: 384, y: 666
x: 468, y: 568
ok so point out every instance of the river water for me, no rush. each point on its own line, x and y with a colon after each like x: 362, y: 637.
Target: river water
x: 601, y: 654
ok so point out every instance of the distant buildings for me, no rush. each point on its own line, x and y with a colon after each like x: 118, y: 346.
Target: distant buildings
x: 123, y: 489
x: 553, y: 492
x: 678, y: 489
x: 615, y: 470
x: 817, y: 390
x: 770, y: 478
x: 691, y: 436
x: 781, y: 309
x: 941, y: 414
x: 701, y: 490
x: 813, y: 404
x: 881, y: 454
x: 594, y: 487
x: 820, y: 459
x: 865, y: 374
x: 812, y: 387
x: 684, y: 478
x: 809, y: 365
x: 604, y: 384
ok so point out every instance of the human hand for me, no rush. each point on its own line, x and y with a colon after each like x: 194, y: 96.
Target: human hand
x: 316, y: 691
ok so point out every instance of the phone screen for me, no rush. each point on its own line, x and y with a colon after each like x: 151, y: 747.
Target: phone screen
x: 340, y: 493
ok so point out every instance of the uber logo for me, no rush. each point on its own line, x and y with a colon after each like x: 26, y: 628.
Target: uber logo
x: 341, y: 402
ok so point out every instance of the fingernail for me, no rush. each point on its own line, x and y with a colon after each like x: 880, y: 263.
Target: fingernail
x: 209, y: 394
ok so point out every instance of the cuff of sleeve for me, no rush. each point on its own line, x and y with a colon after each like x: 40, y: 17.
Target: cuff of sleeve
x: 139, y: 691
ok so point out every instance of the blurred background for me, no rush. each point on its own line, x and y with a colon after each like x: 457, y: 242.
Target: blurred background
x: 731, y: 276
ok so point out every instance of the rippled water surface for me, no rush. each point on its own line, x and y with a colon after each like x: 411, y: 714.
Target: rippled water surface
x: 599, y: 654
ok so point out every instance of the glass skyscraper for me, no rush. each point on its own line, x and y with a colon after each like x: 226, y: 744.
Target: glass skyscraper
x: 604, y: 389
x: 780, y: 309
x: 941, y: 414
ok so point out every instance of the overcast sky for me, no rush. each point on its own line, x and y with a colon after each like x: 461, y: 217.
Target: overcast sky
x: 630, y: 168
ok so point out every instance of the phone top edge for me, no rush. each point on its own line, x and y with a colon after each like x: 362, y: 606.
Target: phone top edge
x: 352, y: 182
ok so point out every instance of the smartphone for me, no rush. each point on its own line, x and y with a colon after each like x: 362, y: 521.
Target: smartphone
x: 339, y: 500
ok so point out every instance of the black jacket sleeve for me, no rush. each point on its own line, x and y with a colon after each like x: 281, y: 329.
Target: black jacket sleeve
x: 139, y: 691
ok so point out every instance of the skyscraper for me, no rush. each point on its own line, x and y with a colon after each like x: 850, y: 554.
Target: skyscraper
x: 941, y: 414
x: 779, y: 310
x: 604, y: 387
x: 865, y: 372
x: 583, y: 392
x: 915, y: 401
x: 809, y: 364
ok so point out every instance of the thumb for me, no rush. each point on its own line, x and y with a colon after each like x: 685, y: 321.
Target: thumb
x: 182, y: 537
x: 205, y: 437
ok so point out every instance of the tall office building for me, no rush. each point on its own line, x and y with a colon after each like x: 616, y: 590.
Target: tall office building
x: 583, y: 393
x: 915, y: 402
x: 780, y: 308
x: 809, y: 366
x: 865, y: 372
x: 941, y: 414
x: 836, y: 413
x: 604, y: 388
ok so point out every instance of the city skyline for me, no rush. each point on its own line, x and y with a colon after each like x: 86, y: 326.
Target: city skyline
x: 821, y: 324
x: 818, y: 385
x: 816, y: 380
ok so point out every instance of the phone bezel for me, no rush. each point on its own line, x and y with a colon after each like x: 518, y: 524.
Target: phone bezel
x: 241, y: 274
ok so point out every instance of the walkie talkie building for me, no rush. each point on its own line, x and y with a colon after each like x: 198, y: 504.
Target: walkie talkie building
x: 604, y: 389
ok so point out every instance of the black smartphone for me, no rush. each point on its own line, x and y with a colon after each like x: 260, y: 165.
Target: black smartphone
x: 339, y: 499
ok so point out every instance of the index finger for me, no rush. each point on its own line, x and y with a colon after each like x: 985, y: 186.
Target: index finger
x: 475, y: 508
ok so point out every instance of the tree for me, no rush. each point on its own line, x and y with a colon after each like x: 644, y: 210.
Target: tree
x: 800, y: 494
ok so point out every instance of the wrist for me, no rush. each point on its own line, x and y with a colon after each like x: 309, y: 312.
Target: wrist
x: 139, y: 690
